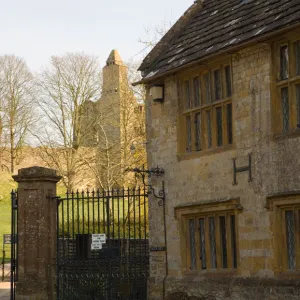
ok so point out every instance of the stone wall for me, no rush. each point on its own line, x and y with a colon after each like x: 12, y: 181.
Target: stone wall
x: 274, y: 169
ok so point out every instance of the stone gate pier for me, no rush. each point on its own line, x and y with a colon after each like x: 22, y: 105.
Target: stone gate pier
x: 37, y: 209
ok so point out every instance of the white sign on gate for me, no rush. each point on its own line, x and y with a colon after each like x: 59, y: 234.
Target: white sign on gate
x: 97, y: 241
x: 96, y: 246
x: 99, y: 237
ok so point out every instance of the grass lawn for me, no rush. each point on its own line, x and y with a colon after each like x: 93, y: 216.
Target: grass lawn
x: 6, y: 185
x: 5, y: 228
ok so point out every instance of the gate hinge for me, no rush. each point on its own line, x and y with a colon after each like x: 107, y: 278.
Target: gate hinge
x: 57, y: 198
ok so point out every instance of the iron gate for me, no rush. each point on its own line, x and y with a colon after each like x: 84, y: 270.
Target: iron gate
x: 14, y: 244
x: 102, y: 245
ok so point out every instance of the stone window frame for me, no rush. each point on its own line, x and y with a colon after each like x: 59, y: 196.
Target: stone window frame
x: 205, y: 210
x: 278, y: 205
x: 188, y: 148
x: 280, y: 84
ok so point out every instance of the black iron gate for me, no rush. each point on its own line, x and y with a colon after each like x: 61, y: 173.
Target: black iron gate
x: 102, y: 245
x: 14, y: 244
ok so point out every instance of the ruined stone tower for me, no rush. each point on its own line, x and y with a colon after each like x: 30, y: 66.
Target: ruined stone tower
x: 116, y: 122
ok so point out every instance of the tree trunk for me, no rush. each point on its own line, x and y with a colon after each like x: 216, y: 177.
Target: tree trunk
x: 12, y: 160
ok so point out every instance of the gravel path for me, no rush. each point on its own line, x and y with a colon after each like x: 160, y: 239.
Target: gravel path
x: 4, y: 290
x: 5, y: 285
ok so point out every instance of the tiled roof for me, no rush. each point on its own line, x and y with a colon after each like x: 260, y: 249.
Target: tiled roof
x: 220, y: 25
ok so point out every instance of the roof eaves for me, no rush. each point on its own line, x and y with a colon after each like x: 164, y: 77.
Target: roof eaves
x: 153, y: 77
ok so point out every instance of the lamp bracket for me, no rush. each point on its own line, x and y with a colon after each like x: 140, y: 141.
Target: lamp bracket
x: 157, y: 172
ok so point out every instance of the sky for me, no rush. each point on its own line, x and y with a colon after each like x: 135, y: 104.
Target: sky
x: 38, y: 29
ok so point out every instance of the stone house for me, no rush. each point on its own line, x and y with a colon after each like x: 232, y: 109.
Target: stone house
x: 226, y: 132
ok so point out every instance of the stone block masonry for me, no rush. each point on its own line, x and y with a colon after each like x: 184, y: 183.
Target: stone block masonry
x: 275, y: 170
x: 37, y: 208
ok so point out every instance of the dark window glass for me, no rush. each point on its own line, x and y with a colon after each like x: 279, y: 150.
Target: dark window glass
x: 198, y: 131
x: 196, y: 84
x: 188, y: 134
x: 192, y: 244
x: 233, y: 241
x: 212, y: 240
x: 229, y: 122
x: 298, y: 104
x: 297, y: 53
x: 290, y: 238
x: 219, y: 126
x: 202, y: 243
x: 207, y: 88
x: 209, y: 133
x: 228, y: 81
x: 284, y: 62
x: 285, y: 109
x: 217, y: 84
x: 187, y: 94
x: 223, y: 242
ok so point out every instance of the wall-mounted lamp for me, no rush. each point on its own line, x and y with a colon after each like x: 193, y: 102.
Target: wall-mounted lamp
x: 157, y: 93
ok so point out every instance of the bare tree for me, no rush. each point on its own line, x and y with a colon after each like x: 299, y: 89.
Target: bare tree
x: 68, y: 87
x: 17, y: 95
x: 153, y: 35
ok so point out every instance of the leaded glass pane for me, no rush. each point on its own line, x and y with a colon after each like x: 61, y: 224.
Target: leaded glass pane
x: 198, y: 131
x: 229, y: 122
x: 196, y: 84
x: 228, y: 81
x: 188, y: 134
x: 298, y: 104
x: 202, y: 243
x: 192, y: 244
x: 209, y: 133
x: 187, y: 94
x: 207, y: 88
x: 233, y: 240
x: 217, y: 84
x: 219, y: 126
x: 212, y: 240
x: 290, y: 238
x: 284, y: 62
x: 223, y: 242
x: 297, y: 54
x: 285, y: 109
